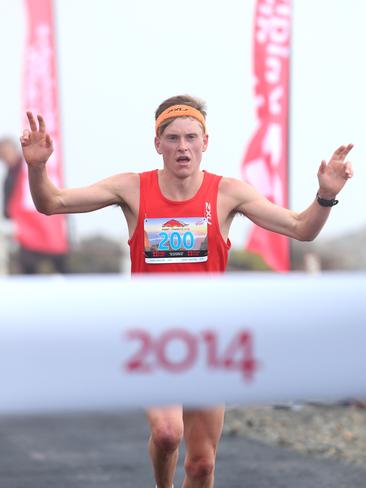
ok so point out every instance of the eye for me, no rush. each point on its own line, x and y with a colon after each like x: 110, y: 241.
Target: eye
x: 172, y: 137
x: 192, y: 136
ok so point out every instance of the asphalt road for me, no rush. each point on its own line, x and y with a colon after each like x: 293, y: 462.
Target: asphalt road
x: 109, y: 451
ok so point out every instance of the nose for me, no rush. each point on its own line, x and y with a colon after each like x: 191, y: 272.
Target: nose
x: 182, y: 144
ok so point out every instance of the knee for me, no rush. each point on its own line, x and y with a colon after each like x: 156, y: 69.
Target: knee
x: 200, y: 467
x: 166, y: 439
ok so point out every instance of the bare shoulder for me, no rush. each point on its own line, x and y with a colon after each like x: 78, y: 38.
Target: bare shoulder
x: 125, y: 179
x: 127, y: 186
x: 236, y: 192
x: 228, y: 186
x: 123, y: 185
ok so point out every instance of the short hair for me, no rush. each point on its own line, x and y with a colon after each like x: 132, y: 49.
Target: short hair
x: 179, y: 100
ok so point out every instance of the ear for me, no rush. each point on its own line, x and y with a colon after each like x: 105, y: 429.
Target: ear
x: 205, y: 142
x: 157, y: 144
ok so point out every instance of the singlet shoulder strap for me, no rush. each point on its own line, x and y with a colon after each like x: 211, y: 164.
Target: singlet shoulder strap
x: 146, y: 179
x: 147, y: 182
x: 212, y: 181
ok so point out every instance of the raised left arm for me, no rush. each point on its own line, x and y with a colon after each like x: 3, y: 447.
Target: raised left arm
x: 306, y: 225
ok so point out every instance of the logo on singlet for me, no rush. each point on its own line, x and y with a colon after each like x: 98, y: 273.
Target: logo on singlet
x: 208, y: 213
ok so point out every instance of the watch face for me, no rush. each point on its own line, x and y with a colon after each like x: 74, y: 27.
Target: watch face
x: 326, y: 203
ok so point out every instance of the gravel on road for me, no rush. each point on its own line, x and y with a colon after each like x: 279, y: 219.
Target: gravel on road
x: 320, y: 430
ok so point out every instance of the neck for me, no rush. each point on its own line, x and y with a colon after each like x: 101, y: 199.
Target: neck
x: 175, y: 188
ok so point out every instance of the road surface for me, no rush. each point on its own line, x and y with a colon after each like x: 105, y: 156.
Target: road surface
x: 108, y: 450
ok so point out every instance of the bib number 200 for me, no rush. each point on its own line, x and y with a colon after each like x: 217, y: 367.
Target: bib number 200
x: 175, y: 241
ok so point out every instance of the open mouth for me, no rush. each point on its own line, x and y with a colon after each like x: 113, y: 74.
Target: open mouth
x: 183, y: 159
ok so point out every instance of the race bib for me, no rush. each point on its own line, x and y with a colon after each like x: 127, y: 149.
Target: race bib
x: 175, y: 240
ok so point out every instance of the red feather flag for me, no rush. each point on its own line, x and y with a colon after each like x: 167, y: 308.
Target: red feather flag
x: 265, y: 165
x: 34, y: 231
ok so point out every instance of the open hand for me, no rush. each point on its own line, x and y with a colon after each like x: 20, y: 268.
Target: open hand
x: 333, y: 175
x: 36, y: 143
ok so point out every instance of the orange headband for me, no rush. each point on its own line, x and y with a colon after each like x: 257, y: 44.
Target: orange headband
x: 179, y: 111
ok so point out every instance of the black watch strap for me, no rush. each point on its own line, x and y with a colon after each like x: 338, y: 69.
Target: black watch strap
x: 326, y: 203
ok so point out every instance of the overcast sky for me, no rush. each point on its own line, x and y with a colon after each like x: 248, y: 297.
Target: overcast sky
x: 118, y: 60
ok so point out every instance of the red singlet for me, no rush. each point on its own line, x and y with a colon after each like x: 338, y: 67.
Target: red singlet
x: 178, y: 236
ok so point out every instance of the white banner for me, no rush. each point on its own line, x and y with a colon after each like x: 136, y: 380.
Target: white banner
x: 108, y: 342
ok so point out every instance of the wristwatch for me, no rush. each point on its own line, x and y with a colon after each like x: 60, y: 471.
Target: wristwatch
x: 326, y: 203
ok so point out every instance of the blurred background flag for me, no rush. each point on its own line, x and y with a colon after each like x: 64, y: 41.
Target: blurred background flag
x: 265, y: 164
x: 34, y: 231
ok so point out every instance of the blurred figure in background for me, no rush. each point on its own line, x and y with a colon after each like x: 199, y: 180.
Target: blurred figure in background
x: 12, y: 159
x: 28, y: 260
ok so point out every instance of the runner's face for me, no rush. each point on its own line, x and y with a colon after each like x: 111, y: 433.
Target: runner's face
x: 181, y: 145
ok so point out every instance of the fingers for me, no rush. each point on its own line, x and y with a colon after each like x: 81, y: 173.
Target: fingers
x: 341, y: 153
x: 322, y: 167
x: 37, y: 133
x: 32, y: 122
x: 348, y: 170
x: 41, y: 122
x: 24, y: 139
x: 48, y: 140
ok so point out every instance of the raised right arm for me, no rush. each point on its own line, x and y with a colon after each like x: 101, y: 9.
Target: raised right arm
x: 48, y: 199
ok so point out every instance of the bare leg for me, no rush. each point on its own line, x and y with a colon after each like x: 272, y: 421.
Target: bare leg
x: 166, y: 433
x: 202, y: 431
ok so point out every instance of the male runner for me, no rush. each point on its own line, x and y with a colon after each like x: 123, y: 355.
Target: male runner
x: 188, y: 206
